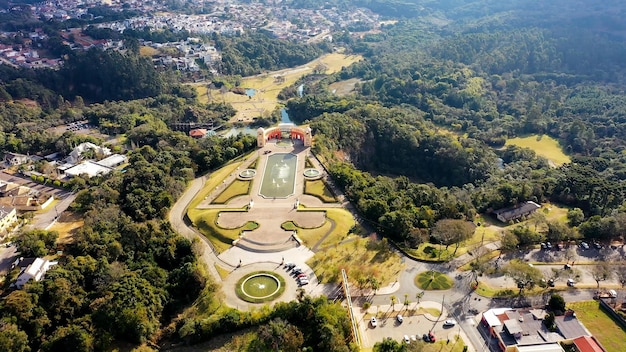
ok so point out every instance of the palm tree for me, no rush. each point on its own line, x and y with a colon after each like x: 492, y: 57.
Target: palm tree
x: 394, y: 300
x: 406, y: 301
x: 419, y: 296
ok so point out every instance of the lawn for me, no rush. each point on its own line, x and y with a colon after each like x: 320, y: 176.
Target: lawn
x: 319, y: 189
x: 267, y: 88
x: 343, y: 220
x: 543, y: 145
x: 214, y: 180
x: 600, y: 324
x: 433, y: 280
x: 221, y: 238
x: 235, y: 189
x: 362, y: 258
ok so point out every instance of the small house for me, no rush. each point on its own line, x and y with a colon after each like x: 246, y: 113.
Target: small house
x: 517, y: 212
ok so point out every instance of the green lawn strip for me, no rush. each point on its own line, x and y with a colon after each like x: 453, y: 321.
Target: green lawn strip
x: 433, y: 280
x: 319, y: 189
x: 221, y: 238
x: 344, y: 223
x: 312, y: 236
x: 214, y: 180
x: 235, y: 189
x: 600, y: 324
x: 221, y: 271
x: 243, y: 296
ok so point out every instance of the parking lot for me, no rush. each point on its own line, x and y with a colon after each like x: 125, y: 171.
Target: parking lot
x: 413, y: 326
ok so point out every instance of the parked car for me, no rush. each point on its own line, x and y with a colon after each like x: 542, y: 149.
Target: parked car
x: 373, y: 322
x: 449, y: 322
x: 303, y: 276
x: 399, y: 318
x: 551, y: 282
x: 597, y: 245
x: 297, y: 270
x: 413, y: 338
x: 303, y: 282
x: 570, y: 282
x: 430, y: 337
x: 289, y: 266
x: 584, y: 245
x: 406, y: 339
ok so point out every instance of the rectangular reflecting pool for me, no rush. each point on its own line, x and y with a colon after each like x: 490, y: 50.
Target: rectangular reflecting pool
x: 279, y: 177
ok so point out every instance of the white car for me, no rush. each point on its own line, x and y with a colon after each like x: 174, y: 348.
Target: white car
x: 399, y: 318
x: 406, y: 339
x: 449, y: 322
x: 373, y: 322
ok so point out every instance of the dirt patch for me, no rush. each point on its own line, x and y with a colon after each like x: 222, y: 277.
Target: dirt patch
x: 66, y: 226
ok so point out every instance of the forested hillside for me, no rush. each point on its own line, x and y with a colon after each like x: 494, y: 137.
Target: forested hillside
x: 442, y: 90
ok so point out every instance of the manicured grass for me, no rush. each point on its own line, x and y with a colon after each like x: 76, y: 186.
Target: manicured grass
x: 344, y: 223
x: 600, y: 324
x: 251, y: 299
x: 342, y: 219
x: 221, y: 271
x: 433, y: 280
x: 362, y: 258
x: 221, y: 238
x: 543, y: 145
x: 319, y: 189
x: 214, y: 180
x: 312, y: 236
x: 235, y: 189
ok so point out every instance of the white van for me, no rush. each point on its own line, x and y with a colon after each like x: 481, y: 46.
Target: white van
x: 612, y: 293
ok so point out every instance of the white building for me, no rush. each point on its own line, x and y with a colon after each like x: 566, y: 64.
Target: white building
x: 35, y: 271
x: 75, y: 155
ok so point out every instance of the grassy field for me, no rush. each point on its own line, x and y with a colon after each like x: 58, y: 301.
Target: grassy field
x: 543, y: 145
x: 235, y: 189
x: 267, y: 88
x: 600, y: 324
x: 362, y: 258
x: 66, y: 226
x: 319, y: 189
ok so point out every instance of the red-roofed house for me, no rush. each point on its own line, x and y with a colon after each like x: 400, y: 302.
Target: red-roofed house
x: 588, y: 344
x: 198, y: 133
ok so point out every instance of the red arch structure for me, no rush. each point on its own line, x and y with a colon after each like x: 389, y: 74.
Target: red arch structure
x: 296, y: 133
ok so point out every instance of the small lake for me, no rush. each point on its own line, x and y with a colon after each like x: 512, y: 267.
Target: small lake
x: 250, y: 92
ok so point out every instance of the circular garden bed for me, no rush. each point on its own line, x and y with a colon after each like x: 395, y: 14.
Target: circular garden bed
x: 260, y: 287
x: 433, y: 280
